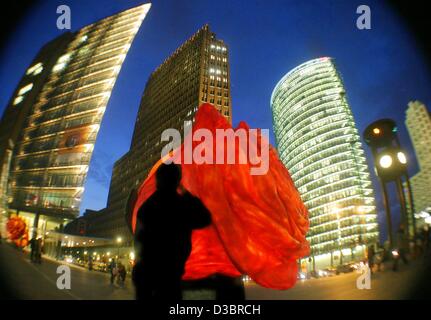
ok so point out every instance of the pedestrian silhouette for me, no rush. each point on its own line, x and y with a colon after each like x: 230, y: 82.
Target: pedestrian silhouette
x: 402, y: 244
x: 164, y: 229
x: 33, y: 247
x: 113, y: 271
x: 39, y: 250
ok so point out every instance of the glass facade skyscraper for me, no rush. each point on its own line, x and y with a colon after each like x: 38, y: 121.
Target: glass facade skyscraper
x: 319, y: 143
x: 18, y: 108
x: 197, y: 72
x: 52, y: 154
x: 418, y: 123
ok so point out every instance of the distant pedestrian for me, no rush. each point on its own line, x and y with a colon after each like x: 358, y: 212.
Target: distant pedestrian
x: 386, y: 254
x: 121, y: 274
x: 379, y: 257
x: 371, y: 253
x: 33, y: 249
x: 90, y: 263
x: 401, y: 248
x: 426, y: 239
x: 39, y: 250
x: 112, y: 270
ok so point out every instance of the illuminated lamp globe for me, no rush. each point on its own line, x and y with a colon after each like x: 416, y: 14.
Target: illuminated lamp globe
x: 402, y: 157
x: 376, y: 130
x: 385, y: 161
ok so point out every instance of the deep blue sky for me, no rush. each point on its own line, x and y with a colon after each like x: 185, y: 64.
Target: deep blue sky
x: 382, y: 68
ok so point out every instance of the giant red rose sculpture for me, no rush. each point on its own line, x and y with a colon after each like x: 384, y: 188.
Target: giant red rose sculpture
x: 17, y: 231
x: 259, y: 221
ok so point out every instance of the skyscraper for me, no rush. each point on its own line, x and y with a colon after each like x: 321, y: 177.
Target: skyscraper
x: 418, y: 123
x: 319, y: 143
x: 197, y: 72
x: 19, y: 106
x: 52, y: 153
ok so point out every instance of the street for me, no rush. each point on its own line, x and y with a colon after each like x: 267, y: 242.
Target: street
x: 386, y: 285
x: 38, y: 281
x: 34, y: 281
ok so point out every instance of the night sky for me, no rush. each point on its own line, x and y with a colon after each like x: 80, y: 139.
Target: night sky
x: 382, y: 68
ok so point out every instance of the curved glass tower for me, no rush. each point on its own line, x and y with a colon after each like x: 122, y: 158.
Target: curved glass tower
x: 319, y: 143
x: 65, y: 93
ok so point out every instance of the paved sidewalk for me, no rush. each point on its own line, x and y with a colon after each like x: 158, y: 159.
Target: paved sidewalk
x: 38, y: 281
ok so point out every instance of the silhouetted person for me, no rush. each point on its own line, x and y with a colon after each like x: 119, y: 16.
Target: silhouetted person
x: 112, y: 269
x: 39, y: 250
x: 371, y: 257
x: 90, y: 263
x: 121, y: 274
x: 426, y: 239
x: 164, y: 230
x: 402, y: 244
x: 33, y: 247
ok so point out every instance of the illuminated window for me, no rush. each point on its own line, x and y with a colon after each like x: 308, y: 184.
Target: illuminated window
x: 61, y: 63
x: 17, y: 100
x: 25, y: 89
x: 58, y: 67
x: 64, y: 58
x: 35, y: 70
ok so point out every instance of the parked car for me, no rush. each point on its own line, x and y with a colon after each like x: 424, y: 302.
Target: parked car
x: 330, y: 272
x: 345, y: 268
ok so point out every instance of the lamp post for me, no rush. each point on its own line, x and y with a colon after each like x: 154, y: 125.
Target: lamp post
x: 119, y: 240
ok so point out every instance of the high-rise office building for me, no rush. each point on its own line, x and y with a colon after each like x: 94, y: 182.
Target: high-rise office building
x: 19, y: 106
x: 319, y: 143
x: 197, y: 72
x: 418, y: 123
x: 51, y: 156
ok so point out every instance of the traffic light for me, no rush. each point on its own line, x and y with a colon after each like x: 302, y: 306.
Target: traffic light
x: 390, y: 163
x: 380, y: 133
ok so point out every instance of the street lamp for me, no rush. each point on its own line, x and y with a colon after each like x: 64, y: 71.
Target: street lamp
x: 119, y: 240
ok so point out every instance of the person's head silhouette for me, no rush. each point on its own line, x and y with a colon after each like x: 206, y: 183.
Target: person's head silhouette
x: 168, y: 177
